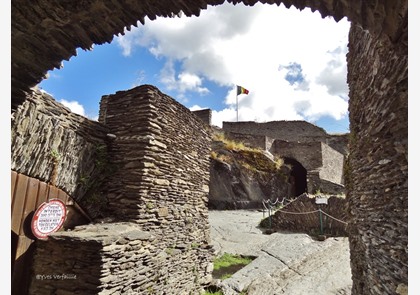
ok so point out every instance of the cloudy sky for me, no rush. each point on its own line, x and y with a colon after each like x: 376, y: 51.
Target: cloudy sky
x: 292, y: 62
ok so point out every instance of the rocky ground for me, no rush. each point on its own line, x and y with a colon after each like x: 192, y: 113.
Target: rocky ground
x: 285, y: 263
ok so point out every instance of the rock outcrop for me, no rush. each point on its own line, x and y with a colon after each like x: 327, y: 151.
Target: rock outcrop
x: 241, y: 177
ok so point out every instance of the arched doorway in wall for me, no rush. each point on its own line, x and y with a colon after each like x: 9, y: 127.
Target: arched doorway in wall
x: 297, y: 179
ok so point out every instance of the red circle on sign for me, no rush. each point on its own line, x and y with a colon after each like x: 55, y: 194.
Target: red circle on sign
x: 48, y: 218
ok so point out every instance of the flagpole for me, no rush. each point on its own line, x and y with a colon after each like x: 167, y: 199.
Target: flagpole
x: 237, y: 115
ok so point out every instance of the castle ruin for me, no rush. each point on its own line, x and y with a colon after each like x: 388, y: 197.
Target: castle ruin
x: 45, y: 33
x: 316, y: 157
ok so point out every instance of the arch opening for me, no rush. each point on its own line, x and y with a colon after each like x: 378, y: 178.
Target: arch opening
x: 297, y: 178
x: 374, y: 20
x: 177, y: 73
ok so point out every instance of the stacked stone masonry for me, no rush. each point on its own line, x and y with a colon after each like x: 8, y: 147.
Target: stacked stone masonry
x: 297, y: 131
x: 320, y: 153
x: 50, y: 143
x: 70, y: 25
x: 117, y: 258
x: 204, y: 115
x: 377, y: 184
x: 156, y: 236
x: 377, y: 168
x: 302, y: 215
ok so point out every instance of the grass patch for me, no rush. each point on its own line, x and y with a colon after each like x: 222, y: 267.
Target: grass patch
x: 226, y: 276
x: 232, y: 145
x: 227, y: 260
x: 227, y: 264
x: 213, y: 293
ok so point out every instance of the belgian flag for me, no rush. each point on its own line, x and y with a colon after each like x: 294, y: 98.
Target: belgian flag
x: 241, y: 90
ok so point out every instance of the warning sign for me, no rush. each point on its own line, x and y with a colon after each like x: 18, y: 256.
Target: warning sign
x: 48, y: 218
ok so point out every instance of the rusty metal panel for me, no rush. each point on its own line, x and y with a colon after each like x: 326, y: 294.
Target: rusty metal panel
x: 64, y: 197
x: 18, y: 202
x: 30, y: 204
x: 42, y: 194
x: 13, y: 185
x: 52, y: 192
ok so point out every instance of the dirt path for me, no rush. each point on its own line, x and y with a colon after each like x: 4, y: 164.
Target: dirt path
x: 286, y: 263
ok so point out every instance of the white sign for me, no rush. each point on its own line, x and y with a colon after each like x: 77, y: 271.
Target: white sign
x: 48, y: 218
x: 321, y: 201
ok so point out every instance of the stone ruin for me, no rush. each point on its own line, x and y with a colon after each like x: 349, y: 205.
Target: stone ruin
x: 316, y: 157
x: 376, y: 171
x: 153, y: 233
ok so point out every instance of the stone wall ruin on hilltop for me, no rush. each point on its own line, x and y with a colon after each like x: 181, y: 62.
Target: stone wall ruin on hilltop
x: 299, y: 141
x: 377, y: 169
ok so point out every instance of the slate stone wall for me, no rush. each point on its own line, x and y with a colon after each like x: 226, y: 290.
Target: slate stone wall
x: 68, y: 26
x: 285, y: 130
x: 321, y: 154
x: 204, y: 115
x: 52, y: 144
x: 302, y: 215
x: 377, y: 180
x: 116, y: 258
x: 309, y: 154
x: 332, y: 165
x: 378, y: 71
x: 253, y: 141
x: 339, y: 142
x: 317, y: 184
x: 155, y: 239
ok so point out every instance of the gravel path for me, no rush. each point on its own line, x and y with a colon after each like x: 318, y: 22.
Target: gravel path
x: 286, y: 263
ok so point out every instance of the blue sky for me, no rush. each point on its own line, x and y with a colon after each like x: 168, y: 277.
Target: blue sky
x: 292, y: 62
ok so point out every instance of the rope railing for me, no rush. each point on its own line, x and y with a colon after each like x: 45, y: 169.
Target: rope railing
x: 272, y: 204
x: 311, y: 212
x: 336, y: 219
x: 298, y: 213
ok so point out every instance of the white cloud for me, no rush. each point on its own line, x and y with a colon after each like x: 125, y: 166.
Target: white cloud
x: 74, y: 106
x: 228, y: 114
x: 196, y: 108
x: 250, y: 46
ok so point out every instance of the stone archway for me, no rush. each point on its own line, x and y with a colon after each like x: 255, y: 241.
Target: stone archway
x: 44, y: 34
x: 83, y: 24
x: 298, y: 177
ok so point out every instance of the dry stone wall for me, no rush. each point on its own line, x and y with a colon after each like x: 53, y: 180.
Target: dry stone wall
x: 317, y: 184
x: 292, y: 217
x: 377, y: 77
x: 321, y: 154
x: 339, y: 142
x: 301, y: 131
x: 377, y: 170
x: 249, y: 140
x: 332, y: 165
x: 156, y: 237
x: 116, y: 258
x: 50, y: 143
x: 161, y: 154
x: 308, y: 154
x: 204, y: 115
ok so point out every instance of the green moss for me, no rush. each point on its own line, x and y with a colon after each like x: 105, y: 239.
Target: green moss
x: 213, y: 293
x: 227, y: 260
x: 226, y: 276
x: 264, y: 223
x: 55, y: 155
